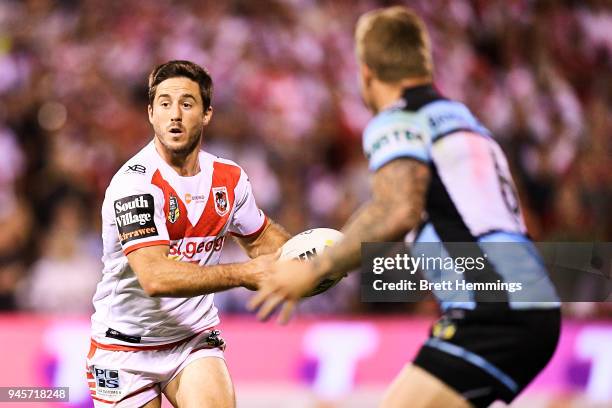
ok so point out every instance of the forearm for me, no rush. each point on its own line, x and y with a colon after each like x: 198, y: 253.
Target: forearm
x: 170, y: 278
x: 374, y: 222
x: 268, y: 242
x: 399, y: 191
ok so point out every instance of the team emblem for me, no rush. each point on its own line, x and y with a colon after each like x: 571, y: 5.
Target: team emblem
x: 174, y: 211
x: 221, y: 204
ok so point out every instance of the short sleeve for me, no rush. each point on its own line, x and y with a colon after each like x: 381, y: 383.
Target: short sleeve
x: 394, y: 134
x: 138, y: 209
x: 446, y: 117
x: 248, y: 220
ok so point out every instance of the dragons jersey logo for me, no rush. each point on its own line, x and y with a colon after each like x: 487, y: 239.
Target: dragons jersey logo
x: 221, y: 203
x: 174, y: 211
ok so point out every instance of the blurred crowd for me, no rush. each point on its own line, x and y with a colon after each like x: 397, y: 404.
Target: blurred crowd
x: 73, y: 109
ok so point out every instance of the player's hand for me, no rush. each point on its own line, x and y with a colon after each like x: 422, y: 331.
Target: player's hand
x: 288, y: 282
x: 258, y: 269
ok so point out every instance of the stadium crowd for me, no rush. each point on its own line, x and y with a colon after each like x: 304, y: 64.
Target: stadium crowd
x: 287, y: 108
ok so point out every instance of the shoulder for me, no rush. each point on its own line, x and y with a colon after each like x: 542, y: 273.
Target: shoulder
x: 393, y: 134
x: 135, y: 173
x: 447, y: 116
x: 392, y: 122
x: 225, y: 173
x: 218, y: 161
x: 221, y: 167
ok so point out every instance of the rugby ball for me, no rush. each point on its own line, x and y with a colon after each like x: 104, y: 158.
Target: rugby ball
x: 308, y: 244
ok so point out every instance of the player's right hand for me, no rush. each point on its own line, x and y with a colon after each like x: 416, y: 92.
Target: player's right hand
x: 258, y: 269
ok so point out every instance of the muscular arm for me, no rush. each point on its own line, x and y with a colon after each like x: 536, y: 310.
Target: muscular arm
x: 399, y: 193
x: 161, y: 276
x: 268, y: 241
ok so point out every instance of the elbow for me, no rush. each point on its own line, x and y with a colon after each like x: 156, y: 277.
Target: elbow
x: 404, y: 218
x: 151, y: 288
x: 150, y: 270
x: 150, y: 283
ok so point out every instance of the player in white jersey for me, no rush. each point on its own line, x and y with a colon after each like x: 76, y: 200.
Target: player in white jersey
x: 438, y: 174
x: 166, y: 215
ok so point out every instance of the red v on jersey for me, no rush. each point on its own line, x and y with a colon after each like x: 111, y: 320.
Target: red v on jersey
x: 218, y: 207
x: 191, y: 215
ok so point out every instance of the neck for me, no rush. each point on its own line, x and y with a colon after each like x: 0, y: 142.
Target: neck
x: 184, y: 164
x: 386, y: 94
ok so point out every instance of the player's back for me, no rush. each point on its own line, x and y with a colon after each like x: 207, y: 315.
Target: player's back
x: 471, y: 197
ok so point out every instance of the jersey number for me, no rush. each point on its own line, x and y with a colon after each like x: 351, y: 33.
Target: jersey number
x: 507, y: 189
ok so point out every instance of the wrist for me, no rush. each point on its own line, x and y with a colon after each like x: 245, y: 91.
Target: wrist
x: 322, y: 268
x: 247, y: 275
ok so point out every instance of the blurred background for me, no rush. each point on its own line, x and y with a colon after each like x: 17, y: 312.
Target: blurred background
x: 73, y: 102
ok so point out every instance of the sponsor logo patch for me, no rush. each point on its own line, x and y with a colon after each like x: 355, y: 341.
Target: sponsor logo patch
x: 174, y: 211
x: 108, y: 384
x: 134, y: 217
x: 213, y: 340
x: 198, y: 198
x: 221, y: 204
x: 195, y: 248
x: 393, y: 138
x: 136, y: 168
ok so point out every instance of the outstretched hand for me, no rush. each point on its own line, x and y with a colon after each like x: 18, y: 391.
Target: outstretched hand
x: 259, y: 269
x: 288, y: 282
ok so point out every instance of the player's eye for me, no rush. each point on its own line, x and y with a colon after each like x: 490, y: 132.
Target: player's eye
x: 165, y: 104
x: 186, y: 105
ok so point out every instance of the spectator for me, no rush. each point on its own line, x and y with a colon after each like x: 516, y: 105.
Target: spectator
x: 71, y: 85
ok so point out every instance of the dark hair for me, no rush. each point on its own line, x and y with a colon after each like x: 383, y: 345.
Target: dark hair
x: 187, y: 69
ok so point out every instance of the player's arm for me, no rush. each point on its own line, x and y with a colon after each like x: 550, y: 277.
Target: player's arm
x: 256, y: 233
x: 268, y: 241
x: 398, y: 200
x: 161, y: 276
x: 399, y: 193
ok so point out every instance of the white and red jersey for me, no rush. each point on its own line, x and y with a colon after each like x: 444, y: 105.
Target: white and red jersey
x: 147, y: 203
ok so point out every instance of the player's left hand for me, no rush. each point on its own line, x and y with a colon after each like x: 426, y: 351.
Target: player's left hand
x: 288, y: 282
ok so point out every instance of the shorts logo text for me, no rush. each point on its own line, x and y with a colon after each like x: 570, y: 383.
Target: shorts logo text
x: 106, y: 378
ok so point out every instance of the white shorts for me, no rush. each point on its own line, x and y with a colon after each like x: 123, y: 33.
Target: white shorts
x: 130, y: 376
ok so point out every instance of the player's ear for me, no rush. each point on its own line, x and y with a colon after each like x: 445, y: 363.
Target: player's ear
x: 150, y: 110
x: 207, y: 115
x: 366, y: 75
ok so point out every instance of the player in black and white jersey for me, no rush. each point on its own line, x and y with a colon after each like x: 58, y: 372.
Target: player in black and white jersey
x: 438, y: 174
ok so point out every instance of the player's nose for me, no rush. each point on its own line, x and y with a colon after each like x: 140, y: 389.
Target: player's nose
x: 176, y: 113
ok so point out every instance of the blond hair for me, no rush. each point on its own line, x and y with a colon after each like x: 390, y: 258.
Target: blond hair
x: 393, y: 42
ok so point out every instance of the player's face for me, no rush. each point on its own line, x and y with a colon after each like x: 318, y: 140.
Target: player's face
x: 178, y: 115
